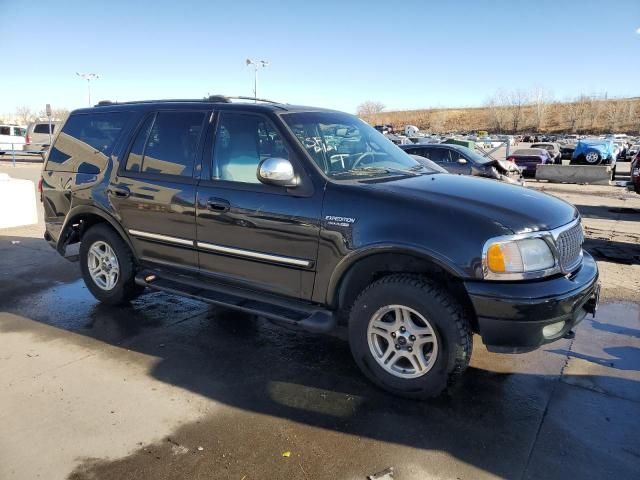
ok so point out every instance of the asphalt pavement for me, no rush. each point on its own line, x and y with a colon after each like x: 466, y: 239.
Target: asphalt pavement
x: 173, y: 388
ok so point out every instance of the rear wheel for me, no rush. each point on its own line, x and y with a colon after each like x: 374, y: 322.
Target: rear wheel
x: 108, y: 266
x: 409, y: 336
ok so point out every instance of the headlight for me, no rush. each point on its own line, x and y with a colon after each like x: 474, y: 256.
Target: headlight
x: 517, y: 259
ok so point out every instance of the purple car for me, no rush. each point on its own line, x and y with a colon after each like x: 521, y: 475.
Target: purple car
x: 528, y: 158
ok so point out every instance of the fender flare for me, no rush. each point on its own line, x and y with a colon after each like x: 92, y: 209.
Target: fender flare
x: 345, y: 265
x: 79, y: 211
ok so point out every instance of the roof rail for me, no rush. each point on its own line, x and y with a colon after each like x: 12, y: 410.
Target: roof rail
x: 253, y: 99
x: 210, y: 98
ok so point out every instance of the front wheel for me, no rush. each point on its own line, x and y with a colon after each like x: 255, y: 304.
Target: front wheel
x: 108, y: 266
x: 409, y: 336
x: 593, y: 158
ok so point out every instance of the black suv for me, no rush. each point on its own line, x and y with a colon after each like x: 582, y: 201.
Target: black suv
x: 312, y: 218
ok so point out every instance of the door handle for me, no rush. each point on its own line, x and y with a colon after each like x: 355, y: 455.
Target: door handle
x: 218, y: 205
x: 121, y: 192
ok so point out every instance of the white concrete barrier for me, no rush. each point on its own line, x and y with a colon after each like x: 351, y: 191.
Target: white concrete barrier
x: 595, y: 175
x: 18, y: 204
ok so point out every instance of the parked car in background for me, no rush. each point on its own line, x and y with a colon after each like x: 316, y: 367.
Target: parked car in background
x: 566, y: 150
x: 11, y: 138
x: 633, y: 151
x: 529, y: 158
x: 464, y: 161
x: 634, y: 184
x: 594, y: 151
x: 552, y: 148
x: 37, y: 137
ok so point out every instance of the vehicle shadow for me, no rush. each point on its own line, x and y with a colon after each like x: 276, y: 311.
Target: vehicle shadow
x: 605, y: 327
x: 613, y: 251
x: 623, y: 358
x: 487, y: 419
x: 605, y: 212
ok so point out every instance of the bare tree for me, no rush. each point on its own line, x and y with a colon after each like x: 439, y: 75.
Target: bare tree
x: 612, y: 112
x: 437, y: 121
x: 540, y: 99
x: 498, y: 113
x: 24, y: 115
x: 57, y: 114
x: 516, y: 100
x: 370, y: 107
x: 572, y: 114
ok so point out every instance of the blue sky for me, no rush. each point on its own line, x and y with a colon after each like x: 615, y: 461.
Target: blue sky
x: 406, y: 54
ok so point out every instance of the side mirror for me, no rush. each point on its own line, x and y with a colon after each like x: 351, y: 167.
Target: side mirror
x: 277, y: 171
x: 462, y: 161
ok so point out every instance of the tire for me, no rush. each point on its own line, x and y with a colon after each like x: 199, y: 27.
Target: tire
x: 124, y: 287
x: 593, y: 158
x: 449, y: 346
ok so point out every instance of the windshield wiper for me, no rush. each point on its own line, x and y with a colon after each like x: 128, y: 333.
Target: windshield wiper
x: 365, y: 170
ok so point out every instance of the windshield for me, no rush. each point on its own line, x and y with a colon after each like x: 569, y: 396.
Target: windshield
x: 345, y: 147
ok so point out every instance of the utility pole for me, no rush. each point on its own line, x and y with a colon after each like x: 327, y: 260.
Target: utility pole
x: 88, y: 77
x: 256, y: 64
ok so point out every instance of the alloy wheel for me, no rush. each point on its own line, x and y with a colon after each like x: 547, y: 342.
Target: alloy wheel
x: 402, y: 341
x: 103, y: 265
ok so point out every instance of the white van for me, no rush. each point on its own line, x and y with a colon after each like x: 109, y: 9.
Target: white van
x: 12, y: 138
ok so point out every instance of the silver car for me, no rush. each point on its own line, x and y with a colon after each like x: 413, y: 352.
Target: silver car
x: 38, y: 138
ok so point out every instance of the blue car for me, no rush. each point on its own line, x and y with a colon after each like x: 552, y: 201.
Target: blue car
x: 594, y: 151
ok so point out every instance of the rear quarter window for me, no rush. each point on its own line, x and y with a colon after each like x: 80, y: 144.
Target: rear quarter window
x: 86, y: 138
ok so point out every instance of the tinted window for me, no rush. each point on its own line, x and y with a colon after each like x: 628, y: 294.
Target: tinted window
x: 86, y: 138
x: 439, y: 154
x: 172, y: 143
x: 242, y: 142
x: 43, y: 128
x: 100, y: 130
x: 134, y: 161
x: 5, y: 130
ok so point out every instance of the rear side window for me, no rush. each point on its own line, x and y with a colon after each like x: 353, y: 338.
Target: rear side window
x: 167, y: 144
x: 43, y: 128
x: 86, y: 139
x: 5, y: 130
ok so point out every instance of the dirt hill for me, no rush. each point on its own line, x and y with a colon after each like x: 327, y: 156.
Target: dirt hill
x: 585, y: 115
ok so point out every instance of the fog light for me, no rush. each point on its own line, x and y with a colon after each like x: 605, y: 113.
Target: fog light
x: 553, y: 329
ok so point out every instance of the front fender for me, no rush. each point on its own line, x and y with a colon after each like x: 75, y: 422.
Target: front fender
x: 343, y: 267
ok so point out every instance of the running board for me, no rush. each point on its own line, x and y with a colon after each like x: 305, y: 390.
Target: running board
x: 287, y: 312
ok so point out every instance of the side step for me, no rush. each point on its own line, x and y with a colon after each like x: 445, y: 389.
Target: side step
x: 287, y: 312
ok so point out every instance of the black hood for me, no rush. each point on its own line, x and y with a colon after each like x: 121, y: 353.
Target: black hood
x: 516, y: 208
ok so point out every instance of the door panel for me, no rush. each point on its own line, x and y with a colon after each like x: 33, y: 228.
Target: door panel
x: 256, y: 235
x: 154, y: 193
x: 159, y: 215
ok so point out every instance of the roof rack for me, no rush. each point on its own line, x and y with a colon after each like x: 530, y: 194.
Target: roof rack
x: 210, y: 98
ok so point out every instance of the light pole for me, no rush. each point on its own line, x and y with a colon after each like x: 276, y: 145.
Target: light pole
x: 88, y: 77
x: 256, y: 64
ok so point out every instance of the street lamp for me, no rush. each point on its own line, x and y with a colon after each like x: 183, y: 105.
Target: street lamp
x: 256, y: 64
x: 88, y: 77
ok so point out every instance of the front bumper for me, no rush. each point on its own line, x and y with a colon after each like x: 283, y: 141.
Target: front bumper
x: 512, y: 315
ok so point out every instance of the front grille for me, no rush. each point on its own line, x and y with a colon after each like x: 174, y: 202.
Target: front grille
x: 569, y: 244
